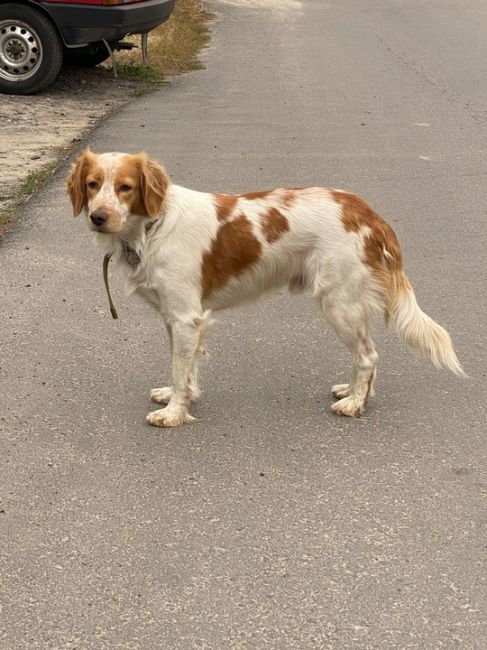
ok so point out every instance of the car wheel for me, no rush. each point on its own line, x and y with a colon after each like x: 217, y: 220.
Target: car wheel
x: 31, y: 52
x: 87, y: 56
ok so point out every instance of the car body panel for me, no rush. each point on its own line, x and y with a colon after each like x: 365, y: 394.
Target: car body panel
x: 80, y: 23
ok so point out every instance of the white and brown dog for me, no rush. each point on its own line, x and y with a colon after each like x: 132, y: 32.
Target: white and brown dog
x: 190, y: 253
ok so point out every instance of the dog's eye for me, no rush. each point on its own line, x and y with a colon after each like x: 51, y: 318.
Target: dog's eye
x: 93, y: 185
x: 125, y: 188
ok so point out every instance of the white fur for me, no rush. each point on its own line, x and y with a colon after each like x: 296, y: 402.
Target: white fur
x: 422, y: 334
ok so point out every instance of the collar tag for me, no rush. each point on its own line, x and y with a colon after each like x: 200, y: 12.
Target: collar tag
x: 133, y: 258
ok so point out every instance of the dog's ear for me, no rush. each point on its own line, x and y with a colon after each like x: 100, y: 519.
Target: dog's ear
x: 76, y: 182
x: 153, y: 185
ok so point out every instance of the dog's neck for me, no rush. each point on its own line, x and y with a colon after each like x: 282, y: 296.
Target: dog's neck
x: 132, y: 242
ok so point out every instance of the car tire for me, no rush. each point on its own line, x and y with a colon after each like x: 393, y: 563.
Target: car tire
x: 31, y: 52
x: 87, y: 56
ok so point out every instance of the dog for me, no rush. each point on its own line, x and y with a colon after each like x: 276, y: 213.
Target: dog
x: 191, y: 253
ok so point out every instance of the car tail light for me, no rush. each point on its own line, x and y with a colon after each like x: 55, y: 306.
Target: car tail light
x: 120, y: 2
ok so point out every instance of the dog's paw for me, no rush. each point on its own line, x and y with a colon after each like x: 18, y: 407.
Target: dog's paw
x: 169, y: 417
x: 341, y: 390
x: 161, y: 395
x: 349, y: 406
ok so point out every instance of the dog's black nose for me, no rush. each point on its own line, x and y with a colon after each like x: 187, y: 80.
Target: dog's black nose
x: 98, y: 217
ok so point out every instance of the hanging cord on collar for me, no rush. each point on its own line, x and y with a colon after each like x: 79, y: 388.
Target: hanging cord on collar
x: 133, y: 258
x: 106, y: 259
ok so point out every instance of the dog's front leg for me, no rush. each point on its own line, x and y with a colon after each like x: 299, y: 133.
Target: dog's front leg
x: 185, y: 342
x: 163, y: 395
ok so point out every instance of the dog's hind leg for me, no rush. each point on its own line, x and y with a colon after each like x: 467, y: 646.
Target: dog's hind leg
x: 350, y: 319
x: 163, y: 395
x: 206, y: 323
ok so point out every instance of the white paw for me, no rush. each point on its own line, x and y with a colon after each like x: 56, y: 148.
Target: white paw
x: 341, y: 390
x: 349, y: 406
x: 161, y: 395
x: 169, y: 417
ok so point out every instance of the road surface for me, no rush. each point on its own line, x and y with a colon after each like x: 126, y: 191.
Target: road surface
x: 269, y: 522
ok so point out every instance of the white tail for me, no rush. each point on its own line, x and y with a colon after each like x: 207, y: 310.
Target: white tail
x: 420, y: 331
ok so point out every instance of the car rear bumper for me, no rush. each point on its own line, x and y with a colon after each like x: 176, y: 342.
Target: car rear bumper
x: 82, y: 24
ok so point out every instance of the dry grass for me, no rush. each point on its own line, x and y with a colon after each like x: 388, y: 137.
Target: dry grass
x: 32, y: 183
x: 6, y: 218
x: 175, y: 45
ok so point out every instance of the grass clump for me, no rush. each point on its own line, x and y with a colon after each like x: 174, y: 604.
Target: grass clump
x: 32, y: 183
x: 36, y: 180
x: 6, y: 217
x: 140, y: 71
x: 173, y: 47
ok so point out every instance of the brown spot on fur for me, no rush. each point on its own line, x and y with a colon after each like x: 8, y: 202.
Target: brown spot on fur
x: 148, y: 182
x: 135, y: 202
x: 225, y: 205
x: 386, y: 267
x: 289, y: 197
x: 128, y: 175
x: 273, y: 224
x: 83, y: 167
x: 233, y: 251
x: 261, y: 194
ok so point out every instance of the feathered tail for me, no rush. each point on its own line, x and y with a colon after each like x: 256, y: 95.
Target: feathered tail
x: 419, y: 331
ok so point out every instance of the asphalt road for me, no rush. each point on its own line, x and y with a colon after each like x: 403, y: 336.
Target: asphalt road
x: 269, y: 522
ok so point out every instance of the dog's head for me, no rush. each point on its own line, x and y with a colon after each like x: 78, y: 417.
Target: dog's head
x: 113, y: 187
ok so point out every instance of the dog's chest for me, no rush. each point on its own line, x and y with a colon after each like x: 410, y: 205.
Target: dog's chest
x: 149, y: 295
x: 139, y: 279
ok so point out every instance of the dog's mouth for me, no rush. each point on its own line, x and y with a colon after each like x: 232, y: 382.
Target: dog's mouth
x: 103, y: 230
x: 96, y: 228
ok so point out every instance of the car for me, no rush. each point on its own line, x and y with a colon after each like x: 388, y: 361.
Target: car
x: 38, y: 36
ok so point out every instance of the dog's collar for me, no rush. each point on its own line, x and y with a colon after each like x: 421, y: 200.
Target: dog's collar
x: 131, y: 255
x: 132, y: 258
